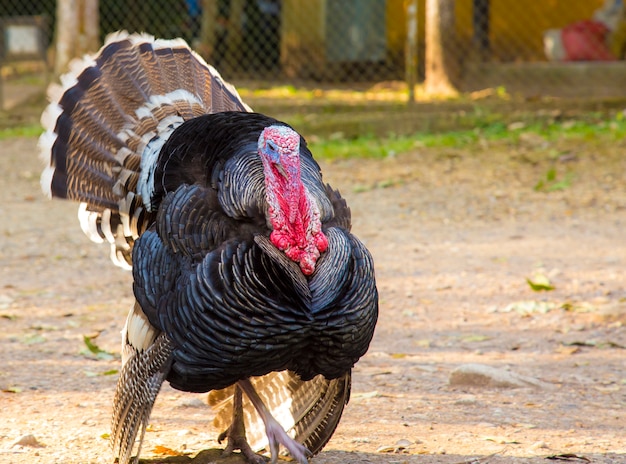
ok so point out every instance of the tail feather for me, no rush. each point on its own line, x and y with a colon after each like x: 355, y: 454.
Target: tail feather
x: 109, y: 118
x: 140, y: 380
x: 321, y: 411
x: 309, y: 411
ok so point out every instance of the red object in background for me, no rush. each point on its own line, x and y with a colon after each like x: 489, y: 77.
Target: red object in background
x: 585, y: 41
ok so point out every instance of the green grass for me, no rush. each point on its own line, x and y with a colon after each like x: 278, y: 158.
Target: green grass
x: 33, y: 130
x: 588, y: 128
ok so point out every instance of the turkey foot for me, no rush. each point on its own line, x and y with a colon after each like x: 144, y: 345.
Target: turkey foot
x: 236, y: 433
x: 276, y: 435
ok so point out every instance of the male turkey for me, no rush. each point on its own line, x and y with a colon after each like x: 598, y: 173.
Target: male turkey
x: 246, y: 276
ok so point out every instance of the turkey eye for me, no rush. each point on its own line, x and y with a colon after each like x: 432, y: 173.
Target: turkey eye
x: 271, y: 146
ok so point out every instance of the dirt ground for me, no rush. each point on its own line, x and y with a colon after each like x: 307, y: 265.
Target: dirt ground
x: 455, y: 233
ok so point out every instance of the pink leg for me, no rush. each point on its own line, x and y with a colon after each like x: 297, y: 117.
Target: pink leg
x: 276, y: 435
x: 236, y: 433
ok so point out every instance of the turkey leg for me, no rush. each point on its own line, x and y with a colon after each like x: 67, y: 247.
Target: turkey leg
x: 276, y: 435
x: 236, y: 433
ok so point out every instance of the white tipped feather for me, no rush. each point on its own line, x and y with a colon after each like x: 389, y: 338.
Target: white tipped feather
x: 68, y: 80
x: 135, y: 38
x: 46, y: 181
x: 105, y: 225
x: 169, y: 43
x: 124, y: 210
x: 54, y: 92
x: 78, y: 65
x: 137, y: 332
x: 88, y: 223
x: 119, y: 259
x: 50, y: 115
x: 45, y: 143
x: 183, y: 95
x: 116, y: 36
x: 149, y: 157
x: 143, y: 112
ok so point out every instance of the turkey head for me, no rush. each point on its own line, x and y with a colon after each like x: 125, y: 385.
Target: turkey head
x: 294, y: 216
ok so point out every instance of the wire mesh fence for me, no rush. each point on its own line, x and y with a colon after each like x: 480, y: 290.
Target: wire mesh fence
x: 556, y: 47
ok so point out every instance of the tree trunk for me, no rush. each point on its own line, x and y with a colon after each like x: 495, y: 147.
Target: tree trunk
x: 442, y: 52
x: 66, y: 33
x: 411, y: 49
x: 90, y: 27
x: 208, y: 30
x: 77, y: 31
x: 234, y: 37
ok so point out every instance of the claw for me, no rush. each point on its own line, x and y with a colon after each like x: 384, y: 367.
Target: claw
x: 276, y: 435
x: 236, y: 434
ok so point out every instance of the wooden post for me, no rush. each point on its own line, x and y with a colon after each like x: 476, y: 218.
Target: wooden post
x: 411, y: 49
x: 442, y: 69
x: 66, y: 33
x: 90, y: 26
x: 77, y: 31
x: 208, y: 29
x: 234, y: 37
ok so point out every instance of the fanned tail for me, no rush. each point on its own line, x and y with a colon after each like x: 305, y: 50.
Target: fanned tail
x: 309, y: 411
x: 107, y: 122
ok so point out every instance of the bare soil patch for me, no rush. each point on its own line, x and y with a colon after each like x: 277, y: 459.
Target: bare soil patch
x: 454, y: 233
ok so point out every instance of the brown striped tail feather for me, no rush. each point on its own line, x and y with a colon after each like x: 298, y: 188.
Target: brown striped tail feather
x: 108, y: 120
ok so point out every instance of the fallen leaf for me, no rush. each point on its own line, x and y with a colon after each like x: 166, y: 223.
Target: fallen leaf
x: 540, y: 283
x: 12, y: 390
x: 501, y: 440
x: 165, y: 451
x: 34, y: 339
x: 94, y: 349
x: 596, y: 344
x: 609, y: 389
x: 530, y: 307
x: 365, y: 395
x: 562, y: 349
x: 401, y: 446
x: 568, y: 457
x: 475, y: 338
x: 525, y: 425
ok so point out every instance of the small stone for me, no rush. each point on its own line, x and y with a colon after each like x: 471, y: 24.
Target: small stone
x: 480, y: 375
x: 28, y: 440
x: 403, y: 443
x: 539, y: 445
x: 192, y: 403
x: 466, y: 400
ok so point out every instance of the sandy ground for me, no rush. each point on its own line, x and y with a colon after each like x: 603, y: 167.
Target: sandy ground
x: 455, y: 233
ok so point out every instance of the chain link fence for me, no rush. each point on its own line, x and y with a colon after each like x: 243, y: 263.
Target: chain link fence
x: 531, y: 48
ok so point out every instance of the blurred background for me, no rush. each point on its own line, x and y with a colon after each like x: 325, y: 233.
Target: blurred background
x: 352, y: 56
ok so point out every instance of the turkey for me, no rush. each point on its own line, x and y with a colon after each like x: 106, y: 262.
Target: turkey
x: 247, y: 281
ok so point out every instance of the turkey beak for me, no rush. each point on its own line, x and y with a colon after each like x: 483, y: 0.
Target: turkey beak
x: 281, y: 170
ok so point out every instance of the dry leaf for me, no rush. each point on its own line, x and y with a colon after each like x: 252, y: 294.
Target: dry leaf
x: 562, y: 349
x: 165, y: 451
x: 501, y: 440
